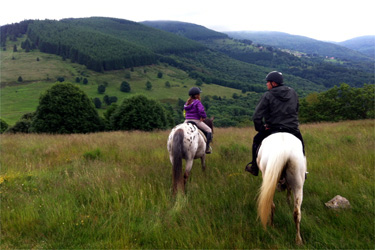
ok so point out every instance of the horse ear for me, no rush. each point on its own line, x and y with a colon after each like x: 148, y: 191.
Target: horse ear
x: 212, y: 118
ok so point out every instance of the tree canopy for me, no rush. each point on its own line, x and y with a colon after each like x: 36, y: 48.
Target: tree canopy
x: 65, y: 108
x: 140, y: 113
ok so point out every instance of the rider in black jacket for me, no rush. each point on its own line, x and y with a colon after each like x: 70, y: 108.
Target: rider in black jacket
x: 277, y: 111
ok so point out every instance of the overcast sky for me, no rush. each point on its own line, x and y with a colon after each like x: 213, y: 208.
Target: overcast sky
x: 327, y: 20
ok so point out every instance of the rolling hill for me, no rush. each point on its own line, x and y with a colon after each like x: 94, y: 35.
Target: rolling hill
x: 295, y: 55
x: 109, y: 50
x: 363, y: 44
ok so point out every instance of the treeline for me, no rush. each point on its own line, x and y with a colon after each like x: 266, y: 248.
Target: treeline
x: 158, y: 41
x: 339, y: 103
x: 189, y: 30
x: 67, y: 109
x: 13, y: 31
x: 95, y: 50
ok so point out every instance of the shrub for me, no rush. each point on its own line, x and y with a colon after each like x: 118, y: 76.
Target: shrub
x: 125, y: 87
x: 101, y: 89
x: 64, y: 109
x: 97, y: 103
x: 3, y: 126
x: 139, y: 113
x: 23, y: 125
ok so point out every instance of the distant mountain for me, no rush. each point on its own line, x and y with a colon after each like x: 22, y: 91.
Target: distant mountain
x: 363, y: 44
x: 324, y: 71
x: 299, y: 43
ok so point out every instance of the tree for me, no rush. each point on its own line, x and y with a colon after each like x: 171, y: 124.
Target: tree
x: 97, y: 103
x: 199, y: 82
x: 160, y: 74
x: 60, y: 79
x: 85, y: 81
x: 139, y: 113
x: 20, y: 79
x: 15, y: 48
x: 78, y: 80
x: 101, y: 89
x: 64, y: 109
x: 167, y: 84
x: 148, y: 85
x: 125, y: 87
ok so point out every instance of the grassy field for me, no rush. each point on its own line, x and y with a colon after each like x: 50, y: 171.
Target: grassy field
x: 18, y: 98
x: 113, y: 190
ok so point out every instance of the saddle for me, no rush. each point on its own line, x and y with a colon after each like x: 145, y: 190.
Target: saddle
x: 202, y: 132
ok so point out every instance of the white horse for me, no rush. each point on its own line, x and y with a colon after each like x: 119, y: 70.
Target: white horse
x: 281, y: 157
x: 187, y: 142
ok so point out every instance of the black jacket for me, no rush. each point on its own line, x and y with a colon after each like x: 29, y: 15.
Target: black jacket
x: 279, y: 108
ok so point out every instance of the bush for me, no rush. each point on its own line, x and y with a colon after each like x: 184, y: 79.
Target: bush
x: 23, y: 125
x: 125, y: 87
x: 97, y: 103
x: 3, y: 126
x: 139, y: 113
x: 64, y: 109
x: 101, y: 89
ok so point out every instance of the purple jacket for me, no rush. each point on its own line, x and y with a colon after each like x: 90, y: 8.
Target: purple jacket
x: 195, y: 111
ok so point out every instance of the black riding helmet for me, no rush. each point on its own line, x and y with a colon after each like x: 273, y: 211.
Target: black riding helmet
x: 194, y: 91
x: 276, y: 77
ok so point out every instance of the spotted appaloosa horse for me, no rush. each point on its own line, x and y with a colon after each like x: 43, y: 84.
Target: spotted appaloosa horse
x: 281, y: 156
x: 187, y: 142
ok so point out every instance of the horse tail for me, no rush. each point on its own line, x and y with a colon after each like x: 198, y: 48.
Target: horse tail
x: 271, y: 176
x: 177, y: 152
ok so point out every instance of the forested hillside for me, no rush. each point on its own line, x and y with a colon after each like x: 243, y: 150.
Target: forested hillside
x: 363, y: 44
x: 303, y: 57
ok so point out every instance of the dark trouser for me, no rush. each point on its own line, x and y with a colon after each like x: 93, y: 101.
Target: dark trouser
x: 258, y: 138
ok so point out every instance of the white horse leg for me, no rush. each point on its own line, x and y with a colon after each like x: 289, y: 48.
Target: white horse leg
x: 289, y: 195
x: 297, y: 213
x: 189, y: 165
x: 203, y: 161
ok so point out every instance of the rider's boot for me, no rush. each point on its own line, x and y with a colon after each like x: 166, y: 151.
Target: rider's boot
x: 253, y: 169
x: 209, y: 139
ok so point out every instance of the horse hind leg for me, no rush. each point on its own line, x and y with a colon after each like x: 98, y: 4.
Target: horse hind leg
x: 203, y: 161
x: 189, y: 165
x: 297, y: 215
x: 273, y: 208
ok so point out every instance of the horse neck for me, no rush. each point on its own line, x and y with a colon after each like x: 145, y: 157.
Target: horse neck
x: 209, y: 123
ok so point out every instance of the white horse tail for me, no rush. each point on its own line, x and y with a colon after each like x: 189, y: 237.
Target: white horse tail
x: 177, y: 151
x: 271, y: 176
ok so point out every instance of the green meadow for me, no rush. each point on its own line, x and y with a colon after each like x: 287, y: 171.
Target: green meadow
x: 113, y: 190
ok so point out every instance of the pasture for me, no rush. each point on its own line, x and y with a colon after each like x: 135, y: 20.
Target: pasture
x: 114, y: 190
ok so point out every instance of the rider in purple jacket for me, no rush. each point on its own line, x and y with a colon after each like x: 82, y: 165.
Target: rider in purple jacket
x: 195, y: 112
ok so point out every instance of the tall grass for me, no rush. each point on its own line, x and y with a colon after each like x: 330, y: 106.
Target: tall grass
x: 113, y: 190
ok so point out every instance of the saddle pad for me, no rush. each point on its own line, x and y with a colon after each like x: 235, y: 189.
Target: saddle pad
x: 204, y: 137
